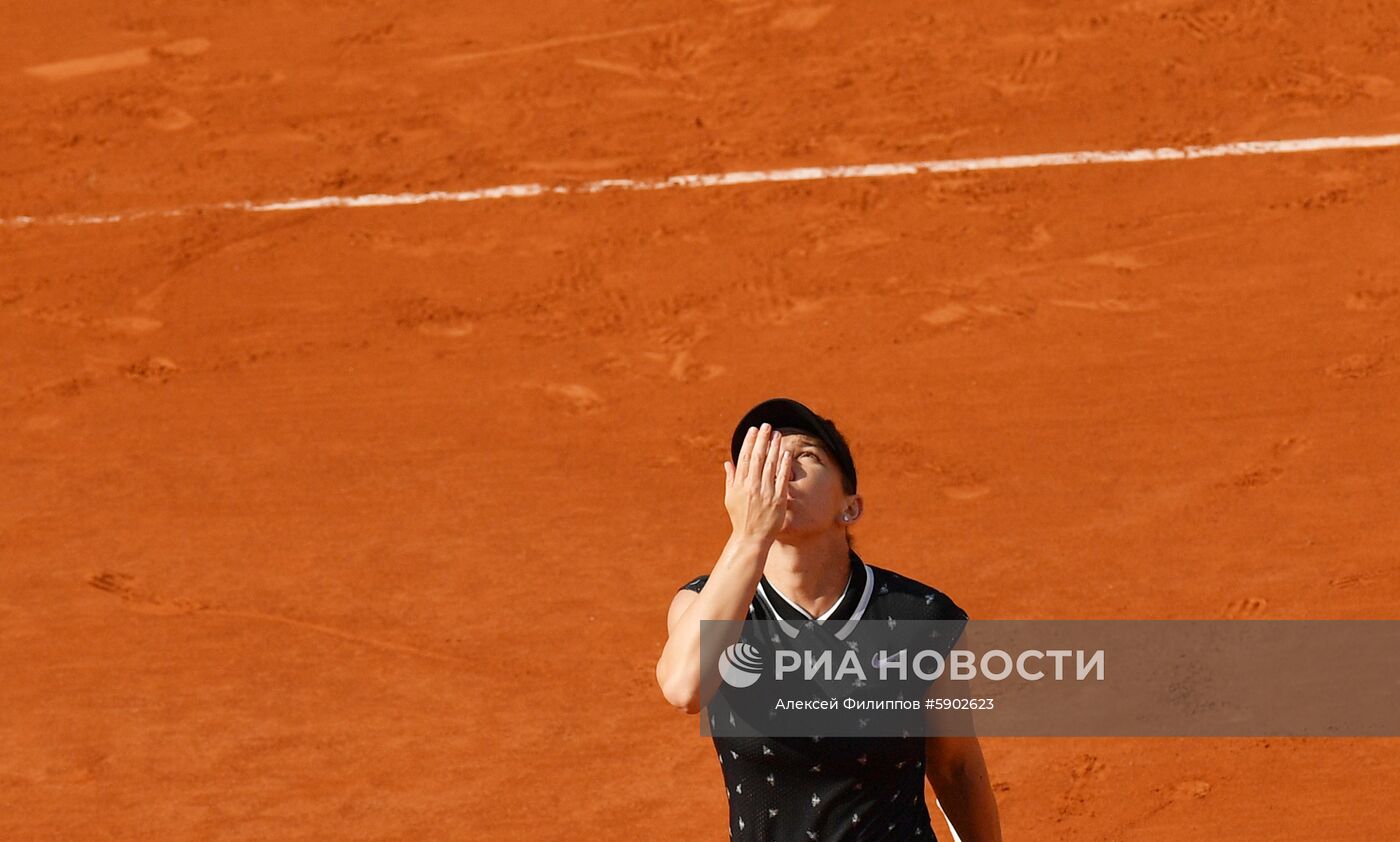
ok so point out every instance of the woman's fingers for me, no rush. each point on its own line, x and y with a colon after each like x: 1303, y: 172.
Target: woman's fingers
x: 760, y: 452
x: 770, y: 464
x: 784, y: 468
x: 741, y: 463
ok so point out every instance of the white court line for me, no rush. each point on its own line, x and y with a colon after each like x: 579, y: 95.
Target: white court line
x: 730, y: 179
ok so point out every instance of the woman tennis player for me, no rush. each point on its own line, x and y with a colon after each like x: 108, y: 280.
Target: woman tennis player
x: 791, y: 495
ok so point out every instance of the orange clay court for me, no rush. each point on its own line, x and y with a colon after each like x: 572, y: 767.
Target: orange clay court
x: 361, y: 523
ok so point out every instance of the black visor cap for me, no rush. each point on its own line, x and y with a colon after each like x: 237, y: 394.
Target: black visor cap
x: 786, y: 412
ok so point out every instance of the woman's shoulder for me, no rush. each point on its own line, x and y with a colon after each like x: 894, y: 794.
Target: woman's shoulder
x: 913, y: 599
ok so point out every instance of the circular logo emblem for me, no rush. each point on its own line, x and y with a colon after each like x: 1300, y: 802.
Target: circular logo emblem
x: 740, y: 665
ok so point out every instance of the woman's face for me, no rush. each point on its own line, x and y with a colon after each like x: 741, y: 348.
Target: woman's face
x: 815, y: 496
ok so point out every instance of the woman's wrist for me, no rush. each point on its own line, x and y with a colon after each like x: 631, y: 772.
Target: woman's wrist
x: 747, y: 553
x: 741, y: 540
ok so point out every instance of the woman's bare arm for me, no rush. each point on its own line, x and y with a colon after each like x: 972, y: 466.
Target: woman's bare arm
x: 755, y: 494
x: 957, y: 770
x: 726, y: 596
x: 958, y: 773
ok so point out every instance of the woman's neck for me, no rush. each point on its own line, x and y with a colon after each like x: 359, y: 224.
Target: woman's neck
x: 811, y: 573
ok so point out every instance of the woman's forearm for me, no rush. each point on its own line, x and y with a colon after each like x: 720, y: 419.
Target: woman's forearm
x: 725, y: 596
x: 965, y: 796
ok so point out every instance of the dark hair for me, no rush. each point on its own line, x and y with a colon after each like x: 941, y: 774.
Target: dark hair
x: 846, y: 485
